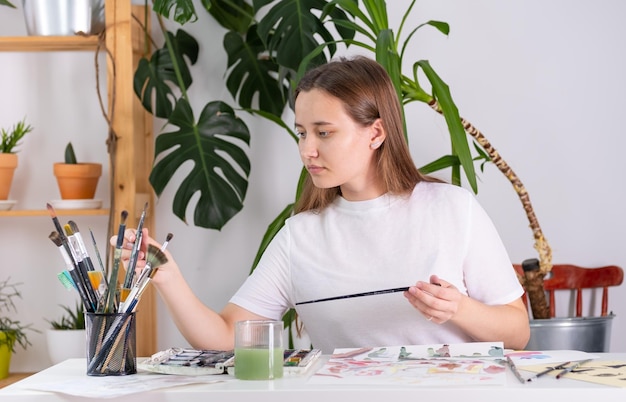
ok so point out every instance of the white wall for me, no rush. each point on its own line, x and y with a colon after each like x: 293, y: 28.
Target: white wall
x: 544, y: 81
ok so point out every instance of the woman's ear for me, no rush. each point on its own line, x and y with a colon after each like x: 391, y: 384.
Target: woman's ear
x: 377, y: 136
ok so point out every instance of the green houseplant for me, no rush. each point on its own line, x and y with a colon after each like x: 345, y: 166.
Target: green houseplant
x: 269, y: 44
x: 72, y: 318
x: 12, y: 331
x: 11, y: 138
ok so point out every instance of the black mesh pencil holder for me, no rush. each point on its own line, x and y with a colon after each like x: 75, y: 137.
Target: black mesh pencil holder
x: 111, y: 344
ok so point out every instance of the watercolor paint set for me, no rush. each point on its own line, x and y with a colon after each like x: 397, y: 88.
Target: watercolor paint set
x: 184, y: 361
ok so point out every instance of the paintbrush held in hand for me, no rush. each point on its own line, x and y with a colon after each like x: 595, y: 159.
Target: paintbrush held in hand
x: 155, y: 258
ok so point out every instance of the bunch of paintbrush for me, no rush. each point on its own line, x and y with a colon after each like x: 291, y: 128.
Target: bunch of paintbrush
x: 118, y: 330
x: 77, y: 261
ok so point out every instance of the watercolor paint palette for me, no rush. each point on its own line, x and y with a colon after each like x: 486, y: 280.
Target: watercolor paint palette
x: 182, y: 361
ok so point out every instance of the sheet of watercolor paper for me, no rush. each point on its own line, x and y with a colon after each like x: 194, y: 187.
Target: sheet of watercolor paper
x: 605, y: 372
x: 478, y: 363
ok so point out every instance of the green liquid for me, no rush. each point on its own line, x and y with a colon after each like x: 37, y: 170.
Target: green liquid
x: 254, y: 364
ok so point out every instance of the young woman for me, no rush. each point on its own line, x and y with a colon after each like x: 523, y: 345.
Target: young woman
x: 367, y: 220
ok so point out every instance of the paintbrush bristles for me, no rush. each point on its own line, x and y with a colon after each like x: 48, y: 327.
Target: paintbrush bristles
x: 155, y: 256
x: 56, y: 238
x: 51, y: 210
x: 73, y: 226
x: 68, y: 230
x: 124, y: 217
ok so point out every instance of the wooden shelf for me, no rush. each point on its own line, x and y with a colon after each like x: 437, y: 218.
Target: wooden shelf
x: 59, y: 212
x: 47, y: 43
x: 13, y: 377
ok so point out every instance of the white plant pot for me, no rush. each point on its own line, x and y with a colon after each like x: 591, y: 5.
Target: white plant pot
x: 64, y: 17
x: 66, y: 344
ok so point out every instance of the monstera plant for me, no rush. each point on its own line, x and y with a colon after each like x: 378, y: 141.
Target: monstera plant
x: 269, y: 45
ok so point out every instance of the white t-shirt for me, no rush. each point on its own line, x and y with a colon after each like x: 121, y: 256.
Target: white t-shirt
x: 387, y: 242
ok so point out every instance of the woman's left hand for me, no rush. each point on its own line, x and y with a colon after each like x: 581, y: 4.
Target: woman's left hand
x: 438, y: 300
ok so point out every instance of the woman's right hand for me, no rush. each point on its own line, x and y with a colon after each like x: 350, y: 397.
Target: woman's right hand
x: 130, y: 235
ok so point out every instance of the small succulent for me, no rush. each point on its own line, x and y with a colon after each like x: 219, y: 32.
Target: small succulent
x: 70, y: 156
x: 12, y: 137
x: 73, y: 319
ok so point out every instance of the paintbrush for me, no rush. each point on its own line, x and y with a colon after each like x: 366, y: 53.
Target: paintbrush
x: 80, y: 245
x: 95, y: 247
x: 155, y: 258
x: 109, y: 305
x: 66, y: 280
x: 81, y: 264
x: 58, y: 227
x: 571, y: 368
x: 55, y: 220
x: 372, y: 293
x: 132, y: 263
x: 71, y: 268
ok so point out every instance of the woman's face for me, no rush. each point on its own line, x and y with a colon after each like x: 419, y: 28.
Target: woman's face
x: 335, y: 149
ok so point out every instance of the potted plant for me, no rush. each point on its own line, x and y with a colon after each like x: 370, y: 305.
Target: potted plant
x: 11, y: 331
x: 77, y: 181
x: 8, y: 155
x: 67, y: 339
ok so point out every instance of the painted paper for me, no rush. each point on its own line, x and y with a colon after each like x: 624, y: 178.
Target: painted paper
x: 478, y: 363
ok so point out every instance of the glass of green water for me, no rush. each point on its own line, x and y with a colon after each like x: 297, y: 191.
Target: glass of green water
x: 258, y: 350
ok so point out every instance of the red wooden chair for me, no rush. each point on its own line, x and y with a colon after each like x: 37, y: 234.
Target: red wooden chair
x: 572, y: 277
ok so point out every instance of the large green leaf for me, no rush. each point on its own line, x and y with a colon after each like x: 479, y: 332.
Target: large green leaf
x: 220, y: 166
x: 184, y: 11
x: 252, y: 74
x: 234, y: 15
x: 153, y: 80
x: 291, y: 28
x: 458, y: 136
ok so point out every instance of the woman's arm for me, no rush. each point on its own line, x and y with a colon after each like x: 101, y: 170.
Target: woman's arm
x: 202, y: 327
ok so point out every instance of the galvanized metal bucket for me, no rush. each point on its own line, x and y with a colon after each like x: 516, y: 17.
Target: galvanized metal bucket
x: 63, y: 17
x: 589, y: 334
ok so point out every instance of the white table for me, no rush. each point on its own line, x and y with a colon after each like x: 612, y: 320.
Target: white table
x: 297, y: 389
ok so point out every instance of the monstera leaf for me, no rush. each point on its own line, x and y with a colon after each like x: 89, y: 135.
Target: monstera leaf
x: 291, y: 30
x: 251, y: 75
x: 235, y: 15
x: 154, y: 79
x: 184, y: 10
x: 220, y: 166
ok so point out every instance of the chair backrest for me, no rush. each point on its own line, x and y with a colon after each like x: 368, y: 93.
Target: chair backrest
x: 572, y: 277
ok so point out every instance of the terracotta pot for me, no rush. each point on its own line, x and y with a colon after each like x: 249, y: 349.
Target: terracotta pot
x: 8, y: 163
x: 77, y: 181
